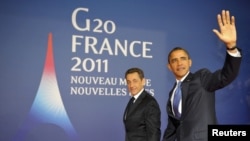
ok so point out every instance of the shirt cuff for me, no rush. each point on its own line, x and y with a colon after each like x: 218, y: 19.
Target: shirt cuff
x: 236, y: 54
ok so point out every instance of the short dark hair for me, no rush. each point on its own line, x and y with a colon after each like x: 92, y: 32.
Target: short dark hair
x: 135, y: 69
x: 177, y: 48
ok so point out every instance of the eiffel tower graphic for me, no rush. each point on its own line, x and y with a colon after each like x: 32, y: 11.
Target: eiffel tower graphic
x: 47, y: 107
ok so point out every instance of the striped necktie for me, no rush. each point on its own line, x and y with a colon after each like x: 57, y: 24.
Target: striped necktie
x: 176, y: 101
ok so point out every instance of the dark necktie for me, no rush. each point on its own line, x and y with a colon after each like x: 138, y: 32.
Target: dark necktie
x: 177, y: 99
x: 130, y: 103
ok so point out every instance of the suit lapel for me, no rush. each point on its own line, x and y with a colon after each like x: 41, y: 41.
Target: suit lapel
x: 169, y: 108
x: 185, y: 88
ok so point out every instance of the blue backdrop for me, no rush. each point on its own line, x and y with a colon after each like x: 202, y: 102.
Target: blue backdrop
x: 63, y: 63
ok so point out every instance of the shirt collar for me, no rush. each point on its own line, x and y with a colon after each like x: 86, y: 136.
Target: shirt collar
x: 137, y: 95
x: 183, y: 78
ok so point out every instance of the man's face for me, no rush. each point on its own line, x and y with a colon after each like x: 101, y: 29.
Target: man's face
x: 179, y: 63
x: 134, y: 83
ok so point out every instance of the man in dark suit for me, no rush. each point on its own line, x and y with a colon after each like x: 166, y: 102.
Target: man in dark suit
x: 142, y: 118
x: 188, y: 120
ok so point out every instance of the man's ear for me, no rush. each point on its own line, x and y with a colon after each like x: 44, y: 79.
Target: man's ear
x: 169, y: 67
x: 144, y: 81
x: 190, y: 62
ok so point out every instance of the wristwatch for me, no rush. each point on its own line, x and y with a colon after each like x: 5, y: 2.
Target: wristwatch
x: 232, y: 48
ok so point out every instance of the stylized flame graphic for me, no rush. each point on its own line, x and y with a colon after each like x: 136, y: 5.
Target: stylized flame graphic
x: 48, y: 106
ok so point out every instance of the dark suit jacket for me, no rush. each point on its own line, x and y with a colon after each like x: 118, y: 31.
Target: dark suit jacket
x: 198, y: 102
x: 143, y: 121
